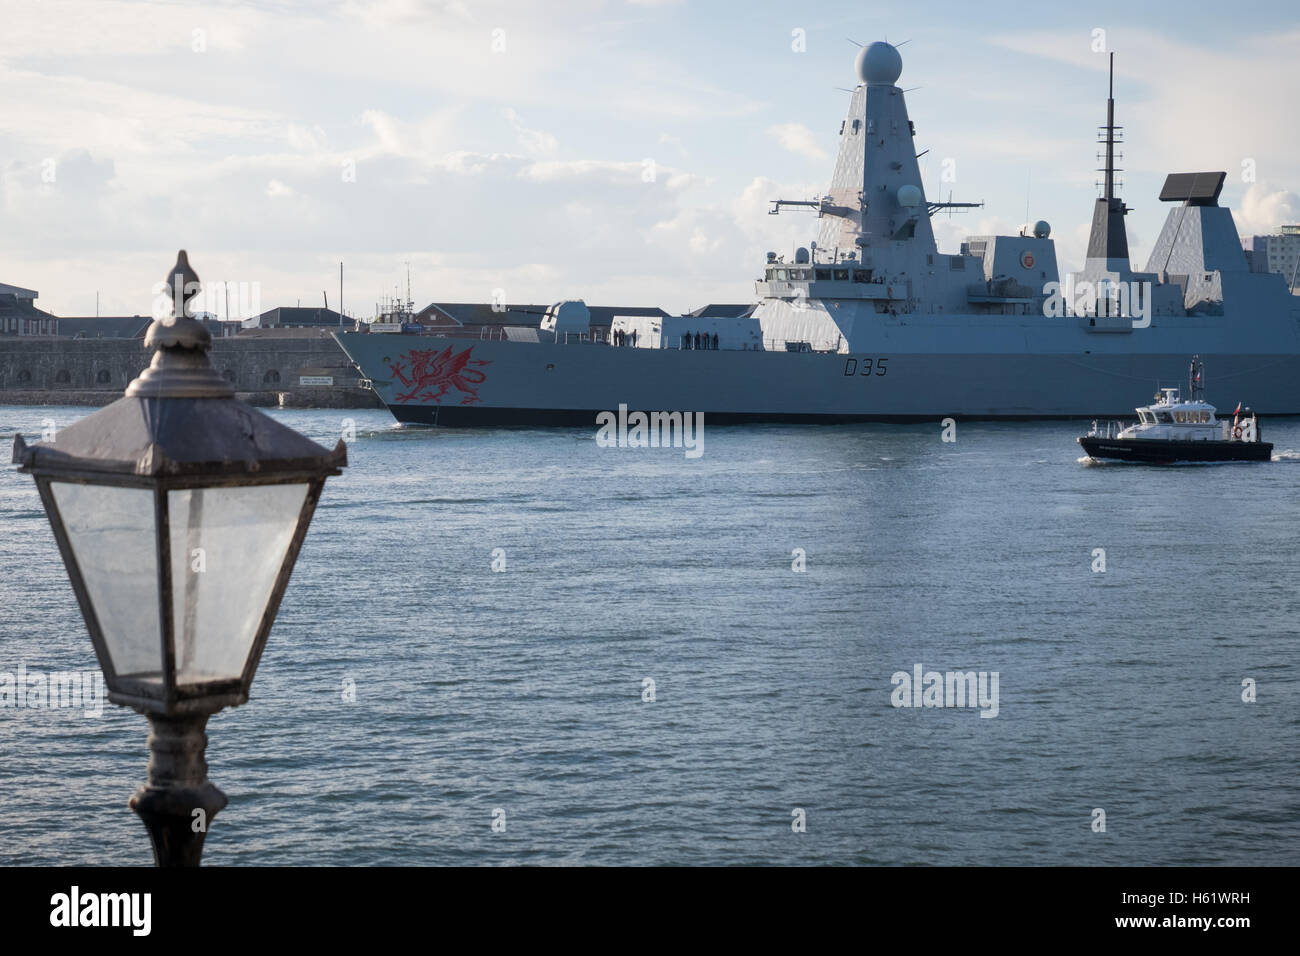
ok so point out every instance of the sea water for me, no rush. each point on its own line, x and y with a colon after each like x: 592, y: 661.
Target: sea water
x: 518, y: 646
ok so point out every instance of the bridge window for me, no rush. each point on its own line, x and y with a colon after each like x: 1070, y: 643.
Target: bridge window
x: 228, y: 374
x: 841, y: 275
x: 24, y: 376
x: 62, y: 377
x: 823, y: 273
x: 103, y: 377
x: 272, y: 377
x: 1164, y: 418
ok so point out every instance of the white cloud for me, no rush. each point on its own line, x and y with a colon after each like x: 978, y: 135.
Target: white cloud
x: 667, y: 139
x: 307, y: 139
x: 797, y: 138
x: 623, y: 173
x: 535, y: 142
x: 1208, y: 101
x: 157, y: 145
x: 1263, y: 209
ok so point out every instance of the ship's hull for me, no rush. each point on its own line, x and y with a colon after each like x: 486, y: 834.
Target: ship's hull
x: 453, y: 382
x: 1159, y: 451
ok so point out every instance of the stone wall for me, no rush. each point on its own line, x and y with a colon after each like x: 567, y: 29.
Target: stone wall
x: 264, y: 371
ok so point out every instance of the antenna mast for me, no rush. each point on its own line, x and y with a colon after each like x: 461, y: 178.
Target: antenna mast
x: 1108, y: 240
x: 1110, y: 133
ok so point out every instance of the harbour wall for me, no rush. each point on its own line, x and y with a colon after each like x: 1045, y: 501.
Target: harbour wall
x: 306, y: 371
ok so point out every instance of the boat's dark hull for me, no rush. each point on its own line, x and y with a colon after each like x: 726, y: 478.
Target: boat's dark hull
x: 1159, y: 451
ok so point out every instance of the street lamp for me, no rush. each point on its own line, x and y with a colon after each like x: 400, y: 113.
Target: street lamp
x: 179, y: 512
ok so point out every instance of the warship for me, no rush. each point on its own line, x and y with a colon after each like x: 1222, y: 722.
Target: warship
x: 871, y: 322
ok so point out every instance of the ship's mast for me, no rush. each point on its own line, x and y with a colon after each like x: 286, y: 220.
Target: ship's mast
x: 1110, y: 133
x: 1108, y: 243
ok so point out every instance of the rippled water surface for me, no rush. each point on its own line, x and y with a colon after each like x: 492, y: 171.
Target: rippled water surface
x: 522, y: 690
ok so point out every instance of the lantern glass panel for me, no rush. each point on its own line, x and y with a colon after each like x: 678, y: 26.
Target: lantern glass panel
x: 227, y: 548
x: 111, y: 531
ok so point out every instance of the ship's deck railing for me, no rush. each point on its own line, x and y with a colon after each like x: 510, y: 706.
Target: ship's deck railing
x: 1107, y: 429
x: 486, y: 333
x: 792, y: 345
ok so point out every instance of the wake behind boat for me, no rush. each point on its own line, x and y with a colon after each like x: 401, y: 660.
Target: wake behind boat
x: 1173, y: 430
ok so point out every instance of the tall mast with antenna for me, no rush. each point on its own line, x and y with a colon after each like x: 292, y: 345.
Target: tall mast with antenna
x: 1108, y: 242
x: 1110, y: 134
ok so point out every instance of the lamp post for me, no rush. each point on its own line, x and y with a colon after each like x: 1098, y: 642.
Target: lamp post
x: 179, y: 512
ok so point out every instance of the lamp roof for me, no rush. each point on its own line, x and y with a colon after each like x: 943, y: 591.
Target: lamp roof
x: 179, y: 436
x: 180, y: 418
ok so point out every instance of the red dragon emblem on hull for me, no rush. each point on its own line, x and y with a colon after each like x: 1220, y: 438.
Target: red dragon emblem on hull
x: 429, y: 375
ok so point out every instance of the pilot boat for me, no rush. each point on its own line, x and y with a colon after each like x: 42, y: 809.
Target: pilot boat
x: 1172, y: 429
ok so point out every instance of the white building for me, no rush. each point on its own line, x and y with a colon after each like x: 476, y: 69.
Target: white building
x: 1278, y: 253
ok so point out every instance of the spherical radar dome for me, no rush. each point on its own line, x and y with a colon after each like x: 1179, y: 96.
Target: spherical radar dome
x: 879, y: 63
x: 909, y: 196
x: 1041, y: 229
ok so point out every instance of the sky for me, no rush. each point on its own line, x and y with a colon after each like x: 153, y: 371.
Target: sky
x: 620, y: 151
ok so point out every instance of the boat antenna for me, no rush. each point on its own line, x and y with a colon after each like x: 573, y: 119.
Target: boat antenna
x: 1196, y: 379
x: 1028, y: 177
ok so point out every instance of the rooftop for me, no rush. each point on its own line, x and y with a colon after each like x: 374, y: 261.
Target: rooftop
x: 14, y: 305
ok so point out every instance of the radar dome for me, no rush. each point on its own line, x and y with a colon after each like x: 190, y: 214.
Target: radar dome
x: 801, y: 256
x: 909, y: 196
x: 1041, y: 229
x: 879, y: 64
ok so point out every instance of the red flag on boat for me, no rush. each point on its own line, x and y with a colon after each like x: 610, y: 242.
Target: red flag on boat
x: 1237, y: 411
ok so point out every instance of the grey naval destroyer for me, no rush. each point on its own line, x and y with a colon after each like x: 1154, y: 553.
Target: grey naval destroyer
x: 872, y: 323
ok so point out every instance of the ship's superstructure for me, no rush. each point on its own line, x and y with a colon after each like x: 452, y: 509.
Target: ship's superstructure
x: 870, y: 321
